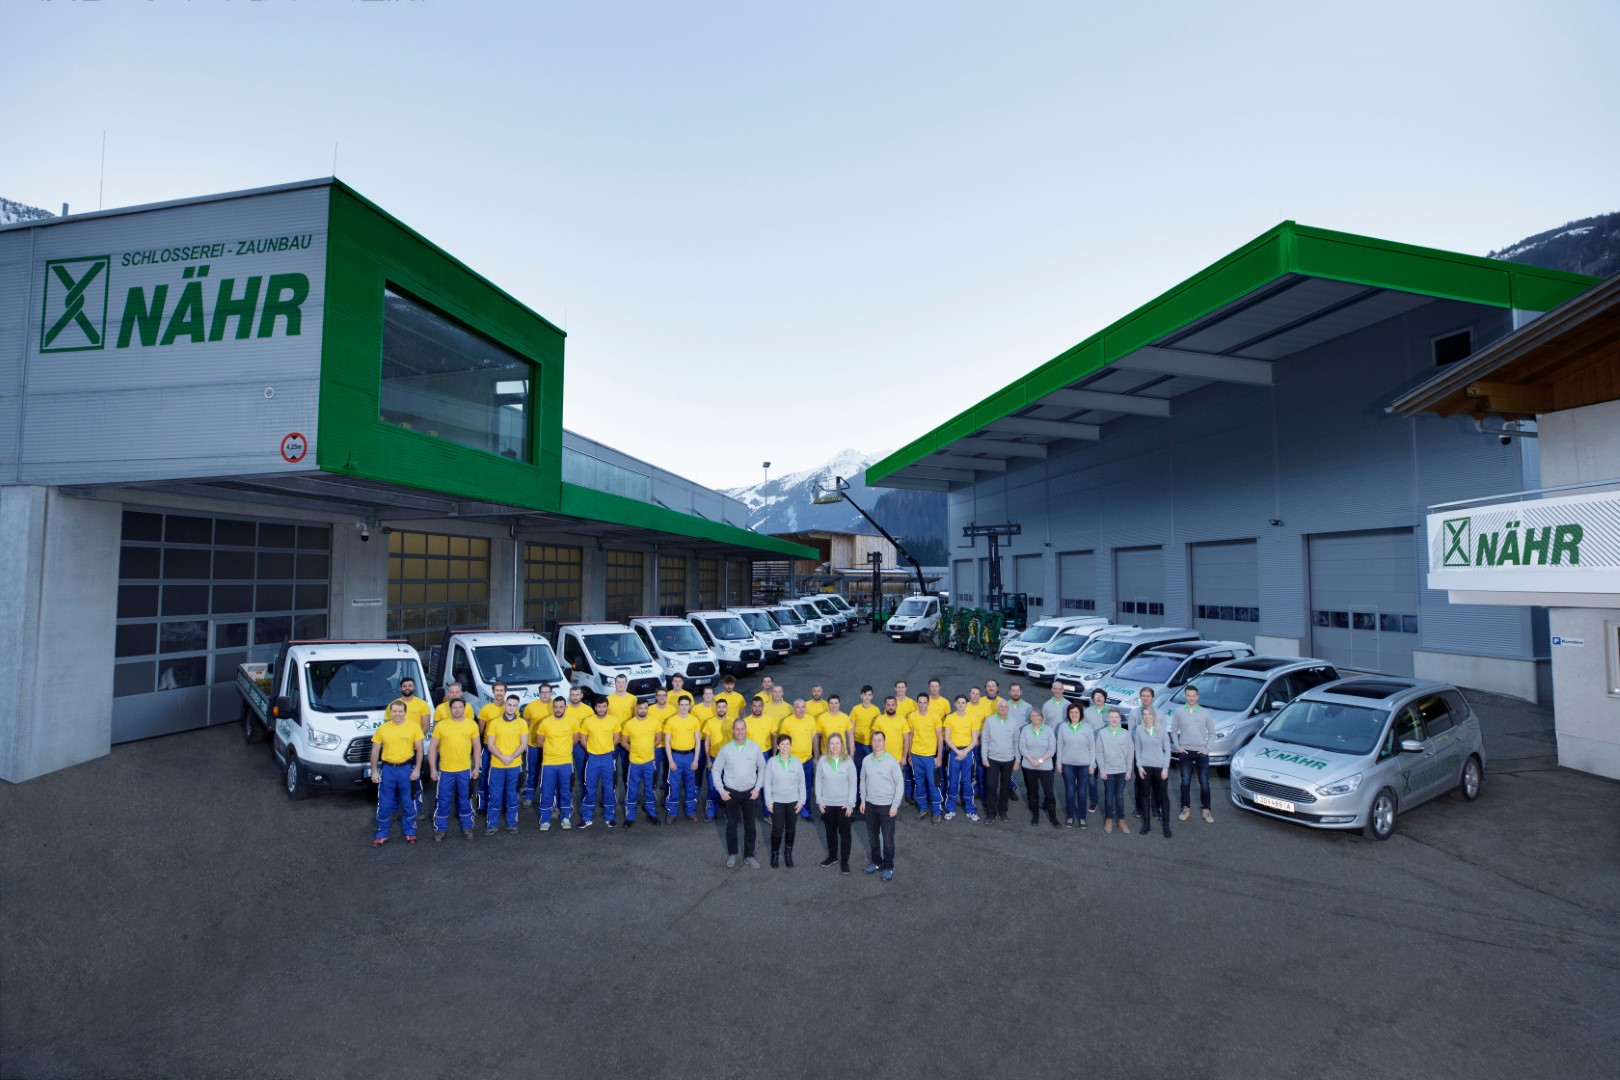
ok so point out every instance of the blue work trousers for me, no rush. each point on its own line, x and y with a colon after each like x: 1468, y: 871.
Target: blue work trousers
x: 599, y: 786
x: 923, y: 770
x: 556, y: 792
x: 504, y: 785
x: 640, y: 786
x: 682, y: 795
x: 959, y: 783
x: 454, y: 788
x: 394, y: 796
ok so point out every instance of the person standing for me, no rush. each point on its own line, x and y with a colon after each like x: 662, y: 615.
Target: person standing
x: 535, y: 713
x: 980, y: 711
x: 961, y: 745
x: 681, y: 733
x: 835, y: 798
x: 421, y: 713
x: 491, y: 711
x: 835, y: 721
x: 861, y: 717
x: 1055, y: 708
x: 785, y: 795
x: 924, y: 750
x: 600, y: 734
x: 1018, y: 710
x: 1152, y: 770
x: 663, y: 709
x: 396, y: 764
x: 1191, y: 730
x: 1096, y: 720
x: 801, y: 732
x: 715, y: 737
x: 1116, y: 754
x: 641, y: 736
x: 558, y: 737
x: 735, y: 705
x: 1037, y: 749
x: 882, y: 790
x: 816, y: 707
x: 739, y: 774
x: 677, y: 691
x: 454, y: 760
x: 896, y: 730
x: 507, y: 740
x: 939, y: 705
x: 998, y: 744
x: 777, y: 709
x: 1077, y: 757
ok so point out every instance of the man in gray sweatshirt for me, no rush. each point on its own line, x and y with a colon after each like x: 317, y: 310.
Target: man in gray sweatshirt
x: 998, y: 742
x: 739, y: 772
x: 1191, y: 730
x: 883, y: 789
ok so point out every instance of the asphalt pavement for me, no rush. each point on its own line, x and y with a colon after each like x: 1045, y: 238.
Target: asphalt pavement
x: 167, y: 912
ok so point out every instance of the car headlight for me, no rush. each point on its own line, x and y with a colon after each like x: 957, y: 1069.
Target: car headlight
x: 323, y: 740
x: 1222, y: 736
x: 1341, y: 787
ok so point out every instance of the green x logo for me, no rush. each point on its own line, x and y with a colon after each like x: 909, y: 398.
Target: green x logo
x: 1458, y: 534
x: 75, y: 315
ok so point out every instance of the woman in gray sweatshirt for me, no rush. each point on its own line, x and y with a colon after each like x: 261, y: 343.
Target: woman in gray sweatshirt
x: 1037, y: 751
x: 785, y: 797
x: 883, y: 788
x: 835, y: 797
x: 1152, y: 769
x: 1115, y: 756
x: 1077, y: 758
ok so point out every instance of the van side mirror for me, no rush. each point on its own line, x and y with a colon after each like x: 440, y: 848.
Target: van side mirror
x: 283, y: 706
x: 1411, y: 746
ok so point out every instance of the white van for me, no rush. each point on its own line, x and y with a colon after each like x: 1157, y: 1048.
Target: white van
x: 734, y: 645
x: 773, y: 642
x: 824, y: 627
x: 521, y: 659
x: 916, y: 616
x: 1110, y: 648
x: 679, y: 650
x: 1015, y: 649
x: 594, y: 654
x: 830, y: 610
x: 794, y: 625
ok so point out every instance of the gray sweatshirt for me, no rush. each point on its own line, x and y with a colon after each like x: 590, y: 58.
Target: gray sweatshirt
x: 1152, y: 747
x: 739, y: 768
x: 1055, y: 710
x: 1076, y: 745
x: 998, y: 739
x: 1115, y: 751
x: 1018, y: 711
x: 784, y: 783
x: 1192, y: 729
x: 835, y: 783
x: 881, y: 782
x: 1037, y: 744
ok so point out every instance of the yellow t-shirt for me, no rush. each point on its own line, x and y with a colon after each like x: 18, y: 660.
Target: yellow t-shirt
x: 894, y: 730
x: 832, y: 723
x: 979, y: 711
x: 682, y: 733
x: 814, y: 709
x: 642, y: 733
x: 776, y: 712
x: 455, y: 738
x: 924, y: 734
x: 534, y: 713
x: 620, y: 706
x: 904, y: 707
x: 661, y: 713
x: 705, y: 713
x: 398, y: 741
x: 674, y: 697
x: 959, y: 728
x: 418, y: 709
x: 803, y: 731
x: 510, y: 736
x: 581, y: 713
x: 938, y: 707
x: 491, y: 711
x: 734, y: 704
x: 717, y: 734
x: 442, y: 713
x: 599, y: 732
x: 862, y: 716
x: 558, y: 747
x: 762, y: 731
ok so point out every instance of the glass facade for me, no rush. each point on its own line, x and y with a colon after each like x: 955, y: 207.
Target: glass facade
x: 708, y: 583
x: 434, y: 582
x: 624, y: 580
x: 737, y: 583
x: 592, y: 472
x: 553, y: 586
x: 671, y: 585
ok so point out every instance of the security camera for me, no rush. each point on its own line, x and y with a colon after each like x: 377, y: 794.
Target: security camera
x: 365, y: 531
x: 1505, y: 440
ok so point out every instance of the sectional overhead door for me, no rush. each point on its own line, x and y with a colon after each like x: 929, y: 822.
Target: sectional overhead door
x: 1029, y: 578
x: 1226, y: 589
x: 963, y: 589
x: 1139, y: 585
x: 1364, y: 599
x: 1077, y: 583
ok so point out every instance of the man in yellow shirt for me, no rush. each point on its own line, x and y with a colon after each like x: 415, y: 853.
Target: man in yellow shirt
x: 579, y: 712
x: 925, y: 750
x: 961, y: 741
x: 421, y: 712
x: 558, y: 735
x: 492, y: 710
x: 715, y: 736
x: 704, y: 711
x: 534, y: 713
x: 681, y: 733
x: 452, y: 693
x: 766, y: 684
x: 735, y: 706
x: 507, y: 740
x: 662, y: 708
x: 761, y: 732
x: 676, y: 691
x: 454, y: 758
x: 621, y: 706
x: 903, y: 707
x: 896, y: 731
x: 861, y: 717
x: 940, y: 705
x: 816, y: 707
x: 396, y: 764
x: 799, y: 727
x: 600, y: 736
x: 642, y: 735
x: 979, y: 710
x: 777, y: 709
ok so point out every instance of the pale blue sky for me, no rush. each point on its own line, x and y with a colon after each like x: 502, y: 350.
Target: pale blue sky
x: 775, y: 230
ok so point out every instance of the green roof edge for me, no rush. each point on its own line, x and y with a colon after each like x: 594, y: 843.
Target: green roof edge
x: 590, y: 504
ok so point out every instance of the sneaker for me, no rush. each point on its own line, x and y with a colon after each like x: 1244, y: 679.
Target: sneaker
x: 545, y: 826
x: 938, y: 818
x: 568, y: 823
x: 1124, y: 826
x: 438, y: 835
x: 870, y: 869
x: 528, y: 800
x: 512, y: 829
x: 379, y: 841
x: 1108, y: 825
x: 587, y: 823
x: 1082, y: 823
x: 973, y: 817
x: 410, y: 839
x: 1209, y: 818
x: 888, y: 875
x: 612, y: 824
x: 652, y: 819
x: 990, y: 819
x: 490, y: 830
x: 950, y: 815
x: 629, y: 823
x: 753, y: 863
x: 1185, y: 814
x: 843, y: 869
x: 731, y: 862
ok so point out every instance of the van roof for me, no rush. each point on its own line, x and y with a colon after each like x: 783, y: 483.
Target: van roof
x: 1151, y: 633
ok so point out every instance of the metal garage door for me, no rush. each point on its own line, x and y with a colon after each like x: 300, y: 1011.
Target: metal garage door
x: 1139, y: 585
x: 963, y: 589
x: 1029, y: 578
x: 1077, y: 583
x: 1226, y: 589
x: 1364, y: 599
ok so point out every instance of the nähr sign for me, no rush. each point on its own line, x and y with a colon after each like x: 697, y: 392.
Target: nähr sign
x: 1560, y: 545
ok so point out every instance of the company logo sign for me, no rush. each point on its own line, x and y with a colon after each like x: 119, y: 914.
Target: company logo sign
x: 1515, y: 543
x: 75, y: 317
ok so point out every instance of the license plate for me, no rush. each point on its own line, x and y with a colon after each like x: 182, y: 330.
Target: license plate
x: 895, y: 636
x: 753, y: 666
x: 1276, y: 804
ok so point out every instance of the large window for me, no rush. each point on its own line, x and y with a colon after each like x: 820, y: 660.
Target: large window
x: 436, y: 582
x: 623, y: 585
x: 737, y: 577
x: 708, y: 583
x: 671, y: 585
x: 553, y: 586
x: 442, y: 379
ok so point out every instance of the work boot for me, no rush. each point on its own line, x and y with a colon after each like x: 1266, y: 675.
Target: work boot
x: 787, y: 855
x: 438, y: 835
x: 1186, y: 812
x: 1167, y: 827
x: 775, y: 858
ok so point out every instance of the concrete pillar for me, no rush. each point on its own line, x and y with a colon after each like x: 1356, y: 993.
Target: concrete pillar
x: 359, y: 584
x: 505, y: 581
x: 58, y: 603
x: 593, y: 598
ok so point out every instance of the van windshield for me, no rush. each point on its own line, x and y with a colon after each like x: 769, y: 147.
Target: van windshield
x: 806, y: 612
x: 825, y: 607
x: 1222, y: 693
x: 676, y: 637
x: 840, y: 603
x: 1149, y: 669
x: 530, y: 663
x: 616, y: 650
x: 728, y: 628
x: 1327, y: 725
x: 759, y: 622
x: 1067, y: 645
x: 913, y: 606
x: 786, y: 616
x: 1104, y: 653
x: 354, y: 685
x: 1039, y: 634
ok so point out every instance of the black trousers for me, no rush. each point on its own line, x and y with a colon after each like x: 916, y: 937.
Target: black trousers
x: 1155, y: 790
x: 997, y: 786
x: 784, y: 819
x: 837, y: 820
x: 880, y: 826
x: 1038, y: 782
x: 740, y: 808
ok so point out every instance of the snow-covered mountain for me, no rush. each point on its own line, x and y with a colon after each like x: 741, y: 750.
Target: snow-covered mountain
x: 11, y: 212
x: 783, y: 503
x: 1589, y: 246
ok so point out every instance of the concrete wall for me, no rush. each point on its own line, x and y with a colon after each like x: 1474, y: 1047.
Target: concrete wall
x: 58, y: 600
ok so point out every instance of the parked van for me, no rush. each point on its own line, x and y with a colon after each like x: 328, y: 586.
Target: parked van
x: 1109, y: 649
x: 826, y: 629
x: 916, y: 616
x: 1014, y: 649
x: 1164, y: 669
x: 775, y: 644
x: 594, y: 654
x: 830, y: 610
x: 1242, y: 695
x: 734, y: 645
x: 1041, y: 664
x: 679, y: 650
x: 795, y: 626
x: 478, y: 659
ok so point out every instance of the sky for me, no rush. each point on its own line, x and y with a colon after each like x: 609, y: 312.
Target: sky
x: 773, y: 231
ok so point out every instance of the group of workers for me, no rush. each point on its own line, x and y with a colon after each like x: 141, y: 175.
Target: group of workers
x: 935, y: 752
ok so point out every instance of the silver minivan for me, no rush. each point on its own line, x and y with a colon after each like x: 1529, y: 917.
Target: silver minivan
x: 1241, y: 695
x: 1356, y: 753
x: 1110, y: 648
x: 1165, y: 668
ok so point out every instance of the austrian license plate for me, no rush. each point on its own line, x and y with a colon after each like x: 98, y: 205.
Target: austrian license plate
x: 751, y: 666
x: 1275, y: 804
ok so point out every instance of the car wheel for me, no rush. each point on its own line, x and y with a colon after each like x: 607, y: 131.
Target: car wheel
x: 251, y: 731
x: 293, y: 779
x: 1473, y: 775
x: 1381, y: 815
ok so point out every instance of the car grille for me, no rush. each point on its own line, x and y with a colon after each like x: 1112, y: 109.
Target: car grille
x: 699, y: 669
x: 781, y: 643
x: 642, y: 687
x: 358, y: 752
x: 1276, y: 791
x: 750, y: 656
x: 1037, y: 668
x: 1009, y: 660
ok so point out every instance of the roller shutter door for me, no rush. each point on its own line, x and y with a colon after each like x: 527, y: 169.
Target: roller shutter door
x: 1364, y: 599
x: 1226, y: 590
x: 1029, y: 578
x: 963, y: 589
x: 1077, y: 583
x: 1139, y: 585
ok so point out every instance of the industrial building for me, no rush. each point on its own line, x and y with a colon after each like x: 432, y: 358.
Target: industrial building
x: 231, y: 420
